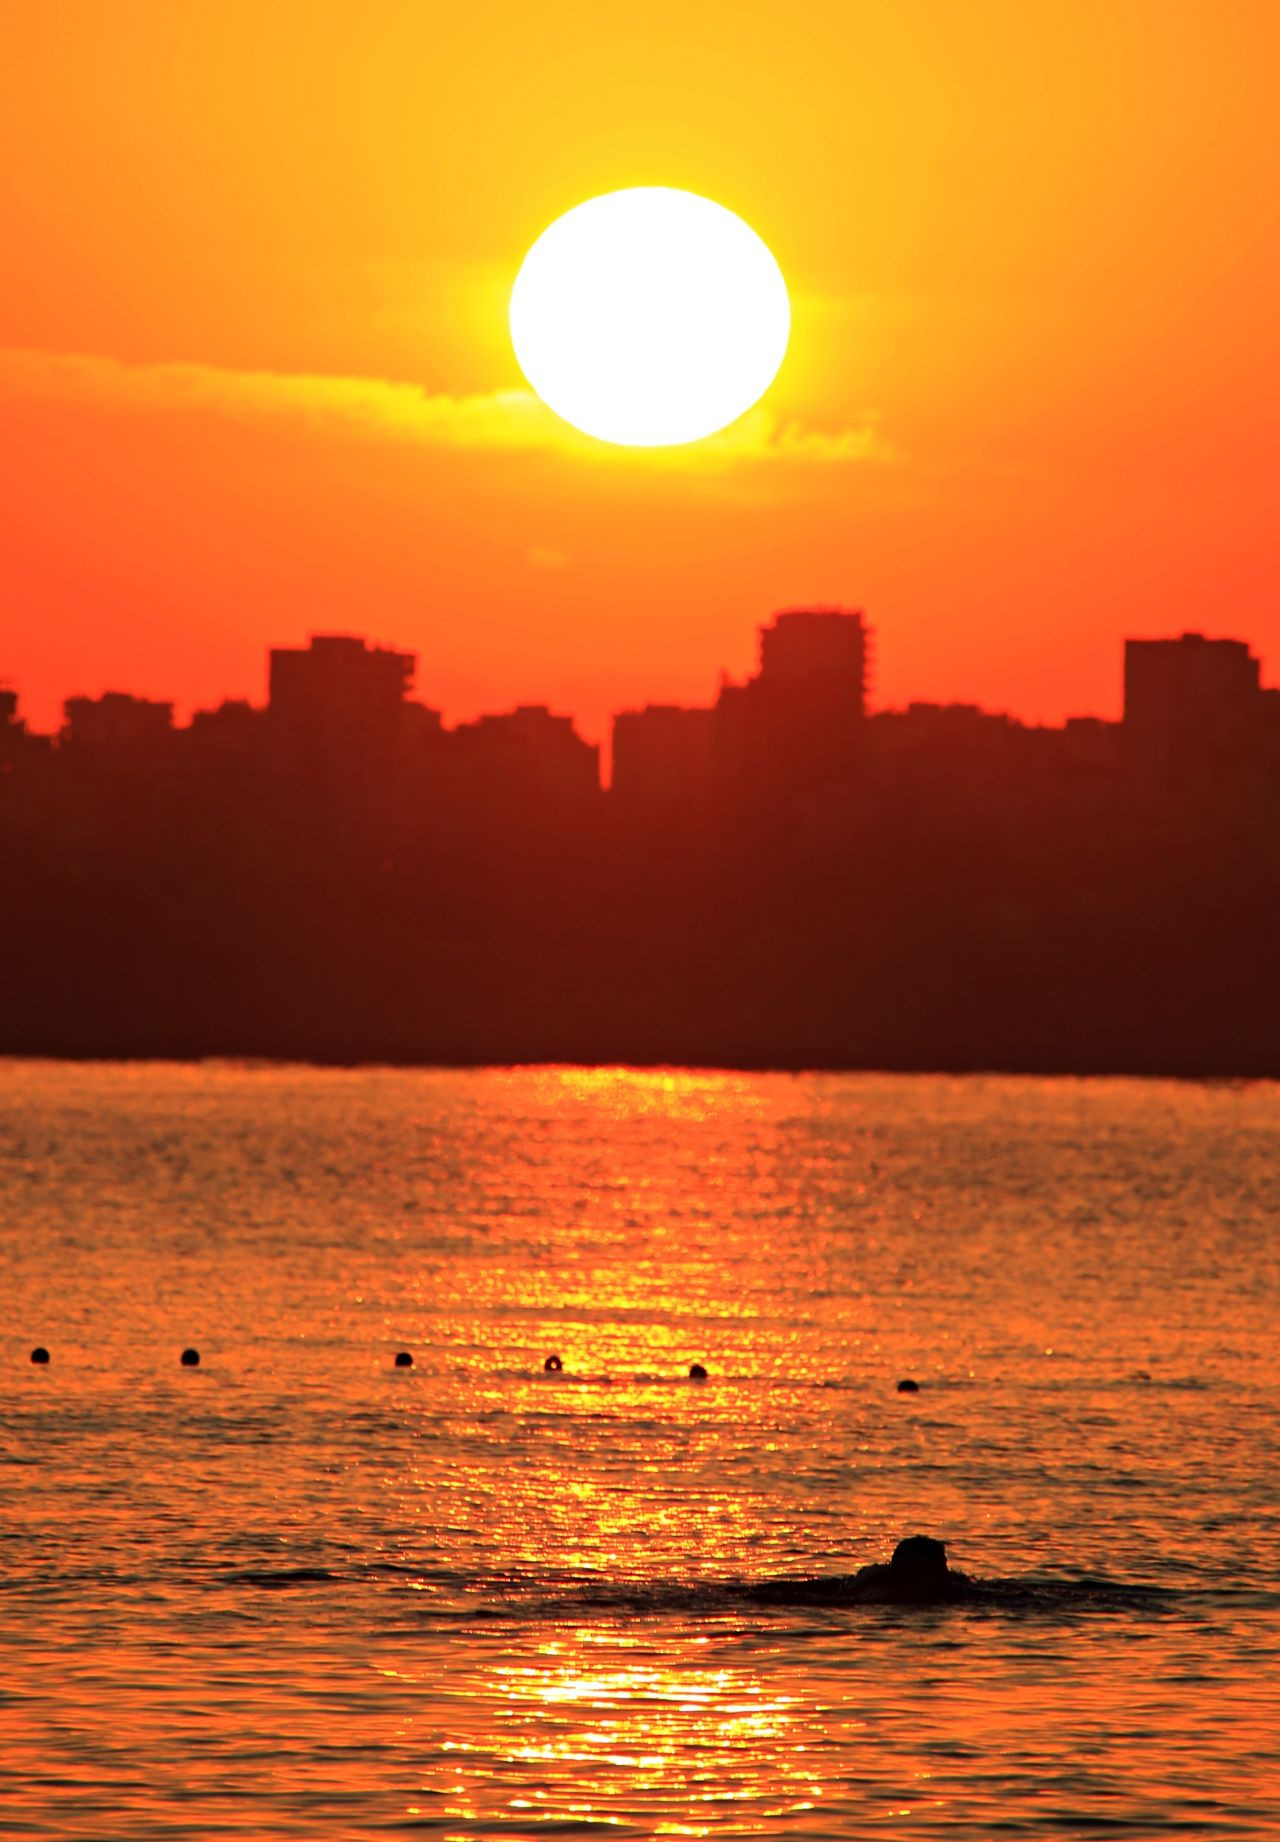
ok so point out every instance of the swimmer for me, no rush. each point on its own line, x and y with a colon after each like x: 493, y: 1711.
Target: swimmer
x: 917, y: 1575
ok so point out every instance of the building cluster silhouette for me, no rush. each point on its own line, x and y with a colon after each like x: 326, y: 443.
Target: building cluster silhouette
x: 781, y: 878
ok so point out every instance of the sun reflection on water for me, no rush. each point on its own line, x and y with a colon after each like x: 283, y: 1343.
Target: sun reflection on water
x: 599, y: 1728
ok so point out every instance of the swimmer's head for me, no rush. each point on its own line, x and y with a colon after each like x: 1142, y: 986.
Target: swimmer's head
x: 919, y: 1561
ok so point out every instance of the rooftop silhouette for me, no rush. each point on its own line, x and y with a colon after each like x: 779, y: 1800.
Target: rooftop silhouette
x: 780, y: 878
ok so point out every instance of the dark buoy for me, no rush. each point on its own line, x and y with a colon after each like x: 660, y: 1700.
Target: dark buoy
x: 40, y: 1353
x: 403, y: 1359
x: 552, y: 1366
x: 697, y: 1372
x: 908, y: 1386
x: 190, y: 1359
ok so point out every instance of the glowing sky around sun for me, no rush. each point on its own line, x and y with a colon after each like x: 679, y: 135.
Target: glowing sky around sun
x: 256, y: 375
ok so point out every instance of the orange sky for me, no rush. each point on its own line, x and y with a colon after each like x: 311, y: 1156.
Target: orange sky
x: 255, y: 378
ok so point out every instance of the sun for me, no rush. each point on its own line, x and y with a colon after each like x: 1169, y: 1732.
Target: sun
x: 650, y: 317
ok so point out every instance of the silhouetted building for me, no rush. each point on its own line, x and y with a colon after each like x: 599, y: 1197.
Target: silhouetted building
x: 661, y: 758
x: 947, y: 724
x: 115, y: 793
x: 795, y: 730
x: 24, y: 760
x: 820, y: 651
x: 231, y: 792
x: 339, y: 693
x: 423, y: 726
x: 1091, y: 746
x: 12, y: 728
x: 1191, y: 688
x: 13, y: 731
x: 527, y: 761
x: 337, y: 727
x: 234, y: 726
x: 115, y: 721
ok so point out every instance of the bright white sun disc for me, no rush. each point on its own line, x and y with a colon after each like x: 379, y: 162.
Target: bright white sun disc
x: 650, y: 317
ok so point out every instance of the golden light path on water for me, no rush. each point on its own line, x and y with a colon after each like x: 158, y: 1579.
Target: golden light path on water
x: 299, y: 1592
x: 580, y: 1732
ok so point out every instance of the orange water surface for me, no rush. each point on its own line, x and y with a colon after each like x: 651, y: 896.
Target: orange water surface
x: 297, y: 1591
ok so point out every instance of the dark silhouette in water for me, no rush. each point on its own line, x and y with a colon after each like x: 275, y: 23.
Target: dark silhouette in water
x: 403, y: 1359
x: 40, y: 1353
x: 907, y: 1386
x: 190, y: 1359
x: 918, y: 1574
x: 552, y: 1366
x: 697, y: 1372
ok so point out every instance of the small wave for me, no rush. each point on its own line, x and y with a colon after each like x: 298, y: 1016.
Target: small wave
x: 559, y: 1378
x: 276, y: 1579
x: 360, y: 1572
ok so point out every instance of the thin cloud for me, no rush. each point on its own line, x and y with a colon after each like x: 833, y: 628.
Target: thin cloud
x: 510, y: 420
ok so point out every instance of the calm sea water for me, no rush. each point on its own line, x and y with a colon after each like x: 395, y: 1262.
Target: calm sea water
x: 299, y: 1592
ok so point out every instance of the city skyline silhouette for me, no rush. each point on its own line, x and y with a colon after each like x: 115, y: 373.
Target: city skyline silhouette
x: 1190, y: 680
x: 781, y: 878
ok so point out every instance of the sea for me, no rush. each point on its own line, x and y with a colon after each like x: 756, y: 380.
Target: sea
x: 298, y: 1591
